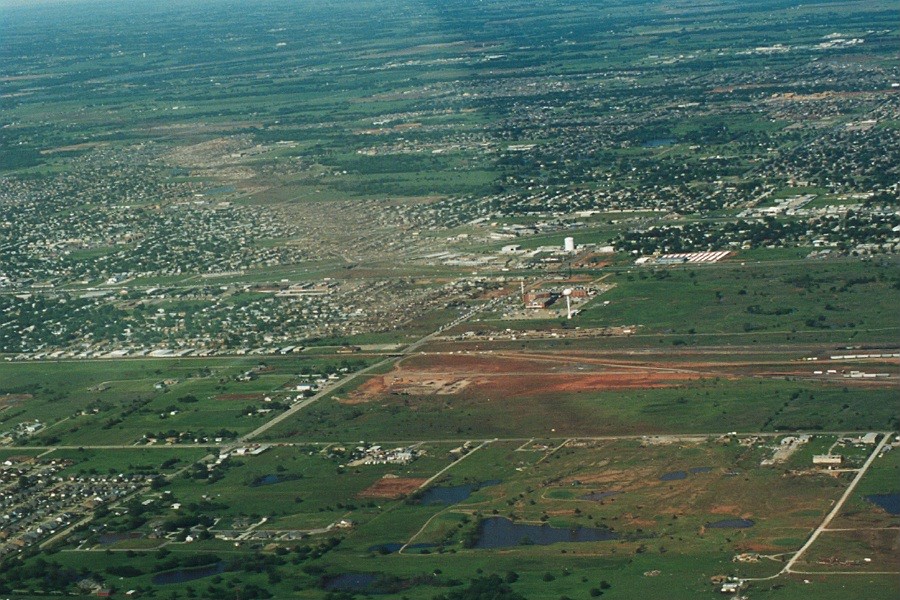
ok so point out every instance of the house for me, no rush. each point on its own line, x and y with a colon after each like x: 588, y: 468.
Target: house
x: 731, y: 587
x: 828, y: 459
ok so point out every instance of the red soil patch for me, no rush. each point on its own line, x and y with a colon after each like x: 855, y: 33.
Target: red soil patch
x: 510, y: 377
x: 392, y: 487
x: 532, y: 385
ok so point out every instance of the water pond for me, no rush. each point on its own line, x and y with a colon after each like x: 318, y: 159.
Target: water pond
x: 673, y: 476
x: 452, y: 494
x: 500, y: 532
x: 731, y: 524
x: 271, y: 479
x: 889, y: 502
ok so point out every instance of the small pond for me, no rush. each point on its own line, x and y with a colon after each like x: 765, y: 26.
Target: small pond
x: 731, y: 524
x: 453, y: 493
x: 271, y: 479
x: 673, y: 476
x: 500, y: 532
x: 889, y: 502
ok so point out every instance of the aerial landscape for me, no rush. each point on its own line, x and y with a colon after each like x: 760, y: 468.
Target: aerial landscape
x: 570, y: 299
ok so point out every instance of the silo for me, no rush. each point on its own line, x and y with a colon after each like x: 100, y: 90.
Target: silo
x: 569, y: 244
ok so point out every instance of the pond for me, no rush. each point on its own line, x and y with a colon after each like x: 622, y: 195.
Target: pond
x: 673, y: 476
x: 185, y: 575
x: 453, y: 493
x: 731, y: 524
x: 889, y: 502
x: 271, y: 479
x: 500, y: 532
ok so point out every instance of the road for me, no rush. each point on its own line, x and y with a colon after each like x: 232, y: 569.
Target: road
x: 523, y: 439
x: 837, y: 506
x: 353, y: 376
x: 836, y: 509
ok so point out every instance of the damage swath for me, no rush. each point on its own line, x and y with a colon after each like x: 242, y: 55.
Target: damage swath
x: 485, y: 375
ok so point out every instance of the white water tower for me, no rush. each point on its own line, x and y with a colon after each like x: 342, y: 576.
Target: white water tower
x: 568, y: 294
x: 569, y: 244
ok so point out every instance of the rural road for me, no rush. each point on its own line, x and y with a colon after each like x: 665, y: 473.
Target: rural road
x: 838, y: 505
x: 353, y: 376
x: 836, y: 509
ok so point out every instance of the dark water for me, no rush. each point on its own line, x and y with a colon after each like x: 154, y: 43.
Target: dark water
x: 674, y: 475
x: 658, y: 143
x: 731, y: 524
x: 271, y: 479
x: 889, y: 502
x: 696, y: 470
x: 500, y: 532
x: 184, y: 575
x: 352, y: 582
x: 454, y: 493
x: 597, y: 496
x: 392, y: 547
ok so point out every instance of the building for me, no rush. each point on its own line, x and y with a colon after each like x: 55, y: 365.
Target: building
x: 869, y: 438
x: 538, y: 300
x: 828, y: 459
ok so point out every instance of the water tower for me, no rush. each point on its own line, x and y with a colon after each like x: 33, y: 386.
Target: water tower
x: 568, y: 294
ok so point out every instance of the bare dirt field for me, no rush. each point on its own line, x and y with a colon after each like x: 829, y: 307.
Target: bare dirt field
x: 392, y: 487
x: 447, y: 375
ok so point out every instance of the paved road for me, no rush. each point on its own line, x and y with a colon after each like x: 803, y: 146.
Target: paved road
x: 838, y: 505
x: 599, y: 438
x: 353, y: 376
x: 836, y: 509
